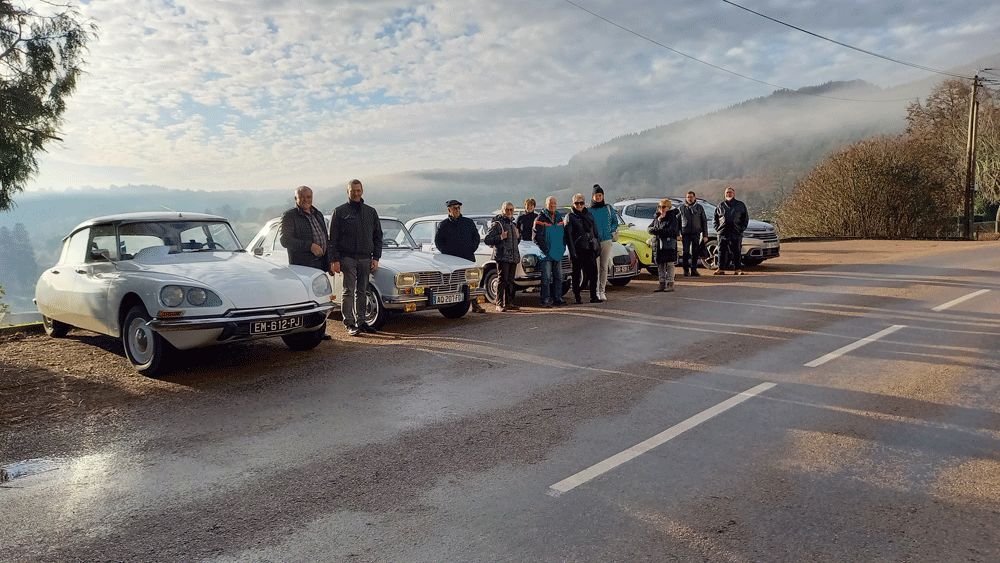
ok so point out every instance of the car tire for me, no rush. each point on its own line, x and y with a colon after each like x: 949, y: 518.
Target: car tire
x: 653, y: 271
x: 712, y: 262
x: 302, y: 341
x: 619, y: 282
x: 376, y: 315
x: 456, y: 311
x: 144, y: 347
x: 567, y: 285
x: 54, y: 328
x: 491, y: 283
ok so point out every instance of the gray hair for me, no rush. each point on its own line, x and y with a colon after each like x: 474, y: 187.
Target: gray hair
x: 505, y: 204
x: 552, y: 197
x: 301, y: 190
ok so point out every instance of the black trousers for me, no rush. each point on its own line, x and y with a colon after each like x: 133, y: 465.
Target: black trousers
x: 692, y: 250
x: 585, y: 263
x: 729, y: 251
x: 505, y: 288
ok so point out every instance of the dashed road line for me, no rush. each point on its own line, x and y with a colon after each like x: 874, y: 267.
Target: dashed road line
x: 854, y: 346
x: 959, y: 300
x: 614, y: 461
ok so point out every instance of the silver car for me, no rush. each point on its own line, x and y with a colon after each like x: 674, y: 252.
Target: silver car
x: 408, y: 279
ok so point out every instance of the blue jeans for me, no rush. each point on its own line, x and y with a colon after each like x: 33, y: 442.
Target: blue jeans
x: 552, y: 279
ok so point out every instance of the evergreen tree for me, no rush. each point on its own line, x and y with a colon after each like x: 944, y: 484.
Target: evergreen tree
x: 25, y: 265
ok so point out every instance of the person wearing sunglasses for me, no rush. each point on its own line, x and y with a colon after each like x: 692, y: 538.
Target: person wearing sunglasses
x: 665, y: 228
x: 503, y: 237
x: 584, y: 247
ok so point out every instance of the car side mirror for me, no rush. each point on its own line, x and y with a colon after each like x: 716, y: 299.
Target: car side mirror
x: 258, y: 251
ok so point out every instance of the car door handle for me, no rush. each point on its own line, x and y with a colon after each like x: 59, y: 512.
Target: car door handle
x: 81, y: 271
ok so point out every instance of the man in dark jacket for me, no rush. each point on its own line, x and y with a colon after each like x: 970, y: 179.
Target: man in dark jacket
x: 526, y: 221
x: 503, y: 237
x: 355, y: 249
x: 731, y: 219
x: 303, y: 232
x: 458, y: 236
x: 584, y: 244
x: 694, y: 232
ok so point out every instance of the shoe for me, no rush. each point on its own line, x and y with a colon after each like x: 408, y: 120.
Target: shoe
x: 327, y: 337
x: 476, y: 308
x: 501, y: 309
x: 546, y: 305
x: 719, y: 272
x: 561, y: 303
x: 513, y: 308
x: 596, y: 300
x: 353, y: 330
x: 663, y: 287
x: 739, y: 273
x: 365, y: 327
x: 577, y: 300
x: 670, y: 286
x: 695, y: 274
x: 686, y: 274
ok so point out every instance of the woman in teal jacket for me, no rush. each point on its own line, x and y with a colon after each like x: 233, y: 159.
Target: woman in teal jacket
x: 607, y: 228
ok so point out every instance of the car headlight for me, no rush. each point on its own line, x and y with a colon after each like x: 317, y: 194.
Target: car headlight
x: 197, y: 296
x: 529, y: 261
x: 473, y: 274
x: 406, y: 280
x: 172, y: 295
x: 321, y: 286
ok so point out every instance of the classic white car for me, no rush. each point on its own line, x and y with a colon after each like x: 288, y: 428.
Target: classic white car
x: 166, y: 280
x: 408, y: 279
x: 623, y: 267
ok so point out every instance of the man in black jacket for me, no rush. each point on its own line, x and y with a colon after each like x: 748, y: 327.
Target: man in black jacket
x: 303, y: 232
x: 458, y: 236
x: 355, y: 249
x: 731, y: 219
x: 694, y: 232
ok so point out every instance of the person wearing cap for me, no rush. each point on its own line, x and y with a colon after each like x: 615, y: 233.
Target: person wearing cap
x: 458, y: 236
x: 607, y: 229
x: 731, y: 219
x: 354, y: 250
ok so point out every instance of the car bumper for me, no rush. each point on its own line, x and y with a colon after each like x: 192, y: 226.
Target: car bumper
x: 409, y: 303
x: 238, y: 324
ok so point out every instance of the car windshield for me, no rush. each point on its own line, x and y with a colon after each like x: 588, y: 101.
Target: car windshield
x: 395, y: 235
x: 178, y: 236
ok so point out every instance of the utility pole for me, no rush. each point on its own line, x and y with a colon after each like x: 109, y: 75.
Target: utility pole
x: 970, y: 163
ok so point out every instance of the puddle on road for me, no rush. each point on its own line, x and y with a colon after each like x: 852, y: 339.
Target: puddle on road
x: 28, y: 467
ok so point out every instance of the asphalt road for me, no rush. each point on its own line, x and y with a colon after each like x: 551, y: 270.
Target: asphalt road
x: 848, y: 413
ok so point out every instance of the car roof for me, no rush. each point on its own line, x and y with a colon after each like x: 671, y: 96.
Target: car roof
x: 149, y: 217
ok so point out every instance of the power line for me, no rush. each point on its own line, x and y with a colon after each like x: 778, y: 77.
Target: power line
x: 653, y: 41
x: 921, y: 67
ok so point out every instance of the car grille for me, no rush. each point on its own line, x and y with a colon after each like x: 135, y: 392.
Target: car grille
x: 566, y: 264
x: 286, y: 310
x: 442, y: 282
x: 621, y: 260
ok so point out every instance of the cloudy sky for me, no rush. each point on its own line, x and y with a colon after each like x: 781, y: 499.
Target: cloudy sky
x: 237, y: 94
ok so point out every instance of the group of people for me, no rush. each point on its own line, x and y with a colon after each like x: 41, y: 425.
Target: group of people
x: 586, y: 232
x: 352, y: 244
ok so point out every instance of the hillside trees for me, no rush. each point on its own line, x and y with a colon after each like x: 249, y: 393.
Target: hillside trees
x: 40, y: 60
x: 908, y: 185
x: 18, y: 267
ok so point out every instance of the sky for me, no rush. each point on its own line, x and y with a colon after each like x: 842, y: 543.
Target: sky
x: 269, y: 94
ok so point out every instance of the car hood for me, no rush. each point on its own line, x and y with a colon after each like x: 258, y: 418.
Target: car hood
x: 237, y: 276
x: 409, y: 260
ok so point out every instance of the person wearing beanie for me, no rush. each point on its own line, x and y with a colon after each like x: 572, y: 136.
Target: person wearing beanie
x: 607, y: 229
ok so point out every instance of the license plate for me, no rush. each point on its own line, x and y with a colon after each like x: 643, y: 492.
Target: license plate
x: 276, y: 325
x: 448, y: 298
x: 771, y: 245
x: 622, y: 269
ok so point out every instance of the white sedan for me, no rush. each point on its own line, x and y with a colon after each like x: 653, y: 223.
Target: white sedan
x: 166, y: 280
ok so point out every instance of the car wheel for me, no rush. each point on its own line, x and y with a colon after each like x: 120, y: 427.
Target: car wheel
x: 302, y: 341
x: 143, y: 346
x: 567, y: 285
x: 456, y: 311
x: 54, y: 328
x: 492, y: 285
x: 712, y: 262
x: 376, y: 315
x: 619, y: 282
x: 652, y: 270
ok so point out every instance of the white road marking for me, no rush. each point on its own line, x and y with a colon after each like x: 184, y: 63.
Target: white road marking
x: 959, y: 300
x: 614, y: 461
x: 840, y: 352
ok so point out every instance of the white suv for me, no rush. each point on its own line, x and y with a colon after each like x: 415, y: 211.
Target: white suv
x: 760, y: 240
